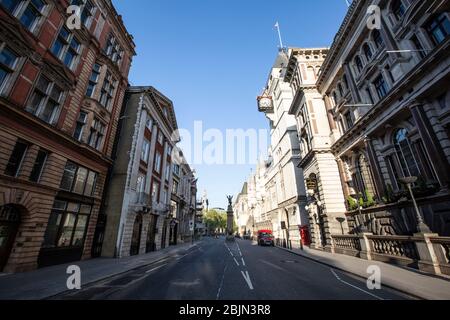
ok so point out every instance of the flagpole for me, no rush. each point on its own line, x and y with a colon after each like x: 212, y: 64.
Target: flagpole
x: 279, y: 35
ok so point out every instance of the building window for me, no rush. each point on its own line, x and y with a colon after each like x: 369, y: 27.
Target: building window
x: 78, y: 180
x: 160, y: 138
x: 364, y: 181
x: 29, y: 12
x: 140, y: 184
x: 97, y: 133
x: 418, y: 46
x: 348, y: 120
x: 8, y: 63
x: 439, y: 28
x: 176, y: 169
x: 398, y: 9
x: 381, y: 86
x: 344, y: 78
x: 16, y: 159
x: 341, y: 90
x: 113, y: 50
x: 164, y: 197
x: 358, y: 64
x: 45, y: 102
x: 369, y: 96
x: 175, y: 187
x: 169, y: 150
x: 145, y: 151
x: 67, y: 225
x: 149, y: 123
x: 81, y: 123
x: 377, y: 39
x: 367, y: 52
x: 155, y: 191
x: 405, y: 154
x: 66, y: 48
x: 442, y: 102
x: 158, y: 162
x: 93, y: 80
x: 87, y: 10
x: 167, y: 173
x: 107, y: 93
x: 38, y: 167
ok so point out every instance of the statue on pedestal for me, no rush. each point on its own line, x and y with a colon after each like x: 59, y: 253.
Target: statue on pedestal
x: 230, y: 219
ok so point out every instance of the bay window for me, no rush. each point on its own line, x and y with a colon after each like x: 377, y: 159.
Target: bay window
x: 97, y: 134
x: 107, y: 92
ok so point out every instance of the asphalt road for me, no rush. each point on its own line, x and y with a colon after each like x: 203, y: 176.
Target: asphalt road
x: 216, y: 270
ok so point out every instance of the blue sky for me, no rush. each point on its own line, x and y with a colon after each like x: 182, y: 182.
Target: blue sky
x: 212, y: 58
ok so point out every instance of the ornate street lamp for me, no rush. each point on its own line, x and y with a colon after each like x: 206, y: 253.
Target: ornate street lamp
x: 421, y: 226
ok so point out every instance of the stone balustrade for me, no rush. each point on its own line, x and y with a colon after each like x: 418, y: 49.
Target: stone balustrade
x: 426, y: 252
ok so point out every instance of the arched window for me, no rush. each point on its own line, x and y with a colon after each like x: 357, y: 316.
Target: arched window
x: 367, y: 52
x: 377, y: 39
x: 398, y: 9
x: 405, y: 154
x: 358, y: 63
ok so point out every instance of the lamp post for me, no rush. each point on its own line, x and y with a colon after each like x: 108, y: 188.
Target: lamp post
x: 421, y: 226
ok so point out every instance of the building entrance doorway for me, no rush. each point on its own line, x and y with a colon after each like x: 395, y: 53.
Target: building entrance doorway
x: 9, y: 224
x: 136, y: 238
x: 151, y: 233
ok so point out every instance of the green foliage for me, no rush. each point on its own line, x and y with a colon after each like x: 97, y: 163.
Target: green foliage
x: 352, y: 204
x: 215, y: 220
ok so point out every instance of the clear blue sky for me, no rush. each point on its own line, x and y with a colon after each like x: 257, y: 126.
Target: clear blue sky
x: 212, y: 58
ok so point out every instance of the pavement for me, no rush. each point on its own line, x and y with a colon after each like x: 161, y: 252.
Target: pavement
x: 214, y: 269
x: 51, y: 281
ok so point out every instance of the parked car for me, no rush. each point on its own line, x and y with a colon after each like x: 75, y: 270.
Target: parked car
x: 266, y: 238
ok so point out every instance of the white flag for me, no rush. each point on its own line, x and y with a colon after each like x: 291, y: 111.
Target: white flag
x: 277, y: 25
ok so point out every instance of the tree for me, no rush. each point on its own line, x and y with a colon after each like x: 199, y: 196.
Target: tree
x: 215, y: 220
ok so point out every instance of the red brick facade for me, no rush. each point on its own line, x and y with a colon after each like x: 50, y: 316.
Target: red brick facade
x: 49, y: 123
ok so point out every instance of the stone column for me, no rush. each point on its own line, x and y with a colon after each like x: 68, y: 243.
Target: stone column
x: 375, y: 169
x: 230, y: 219
x: 151, y: 160
x: 345, y: 188
x: 431, y: 144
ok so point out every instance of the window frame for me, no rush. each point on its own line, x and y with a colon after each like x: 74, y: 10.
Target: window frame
x: 42, y: 166
x: 19, y: 165
x: 11, y: 71
x: 46, y: 97
x: 75, y: 177
x: 66, y: 47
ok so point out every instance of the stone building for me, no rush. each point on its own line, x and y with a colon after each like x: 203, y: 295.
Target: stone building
x: 315, y: 130
x: 184, y: 195
x: 61, y: 93
x: 285, y: 189
x: 138, y: 202
x: 386, y: 91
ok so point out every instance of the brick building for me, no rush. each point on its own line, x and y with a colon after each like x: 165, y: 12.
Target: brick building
x: 61, y: 93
